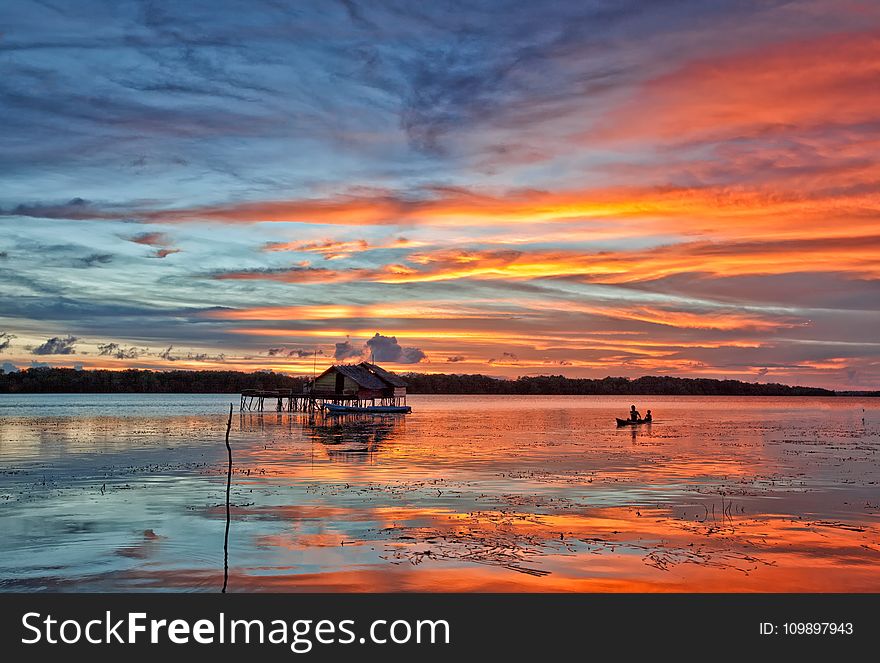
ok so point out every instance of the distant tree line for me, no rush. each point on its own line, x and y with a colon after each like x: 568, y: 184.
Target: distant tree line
x: 69, y: 380
x: 420, y: 383
x: 73, y: 381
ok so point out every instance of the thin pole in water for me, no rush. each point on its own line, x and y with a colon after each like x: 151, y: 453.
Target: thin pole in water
x: 228, y: 487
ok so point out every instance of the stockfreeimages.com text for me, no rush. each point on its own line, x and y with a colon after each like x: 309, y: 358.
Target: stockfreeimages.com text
x: 301, y: 635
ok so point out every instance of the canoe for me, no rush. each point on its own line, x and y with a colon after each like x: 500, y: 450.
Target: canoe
x: 630, y: 422
x: 332, y: 408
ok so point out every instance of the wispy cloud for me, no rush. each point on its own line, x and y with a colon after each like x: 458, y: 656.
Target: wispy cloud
x: 97, y: 259
x: 783, y: 89
x: 857, y: 256
x: 119, y: 352
x: 160, y: 241
x: 76, y: 209
x: 329, y: 249
x: 150, y: 239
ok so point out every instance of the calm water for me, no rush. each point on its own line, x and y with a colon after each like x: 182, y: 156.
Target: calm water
x: 112, y: 493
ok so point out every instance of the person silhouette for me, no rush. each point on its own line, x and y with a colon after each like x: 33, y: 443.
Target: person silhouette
x: 648, y: 417
x: 634, y: 414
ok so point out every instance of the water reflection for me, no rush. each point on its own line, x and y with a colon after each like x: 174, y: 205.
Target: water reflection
x: 340, y: 437
x: 352, y: 435
x: 470, y: 494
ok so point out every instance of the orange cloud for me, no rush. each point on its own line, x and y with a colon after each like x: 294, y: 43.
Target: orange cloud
x: 329, y: 249
x: 719, y: 319
x: 299, y: 274
x: 371, y: 209
x: 722, y: 320
x: 414, y: 310
x: 856, y: 256
x: 523, y: 207
x: 334, y: 249
x: 790, y: 87
x: 534, y: 340
x: 793, y: 136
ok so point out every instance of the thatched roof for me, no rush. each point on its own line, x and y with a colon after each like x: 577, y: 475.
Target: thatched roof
x: 360, y: 375
x: 368, y: 376
x: 390, y: 378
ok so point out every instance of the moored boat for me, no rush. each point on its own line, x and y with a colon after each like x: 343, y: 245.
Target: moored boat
x: 333, y: 408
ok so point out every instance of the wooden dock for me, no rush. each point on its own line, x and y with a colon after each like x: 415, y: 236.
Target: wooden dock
x: 287, y: 400
x: 281, y: 400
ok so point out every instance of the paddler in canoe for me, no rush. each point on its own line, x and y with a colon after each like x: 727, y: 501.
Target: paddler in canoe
x: 635, y: 418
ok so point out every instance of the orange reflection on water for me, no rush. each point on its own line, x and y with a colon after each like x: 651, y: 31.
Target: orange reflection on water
x: 619, y: 549
x: 465, y: 494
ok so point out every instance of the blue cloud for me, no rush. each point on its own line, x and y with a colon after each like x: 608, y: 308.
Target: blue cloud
x: 56, y: 346
x: 386, y: 348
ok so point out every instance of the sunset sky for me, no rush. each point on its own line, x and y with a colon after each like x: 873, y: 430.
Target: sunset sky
x: 688, y: 188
